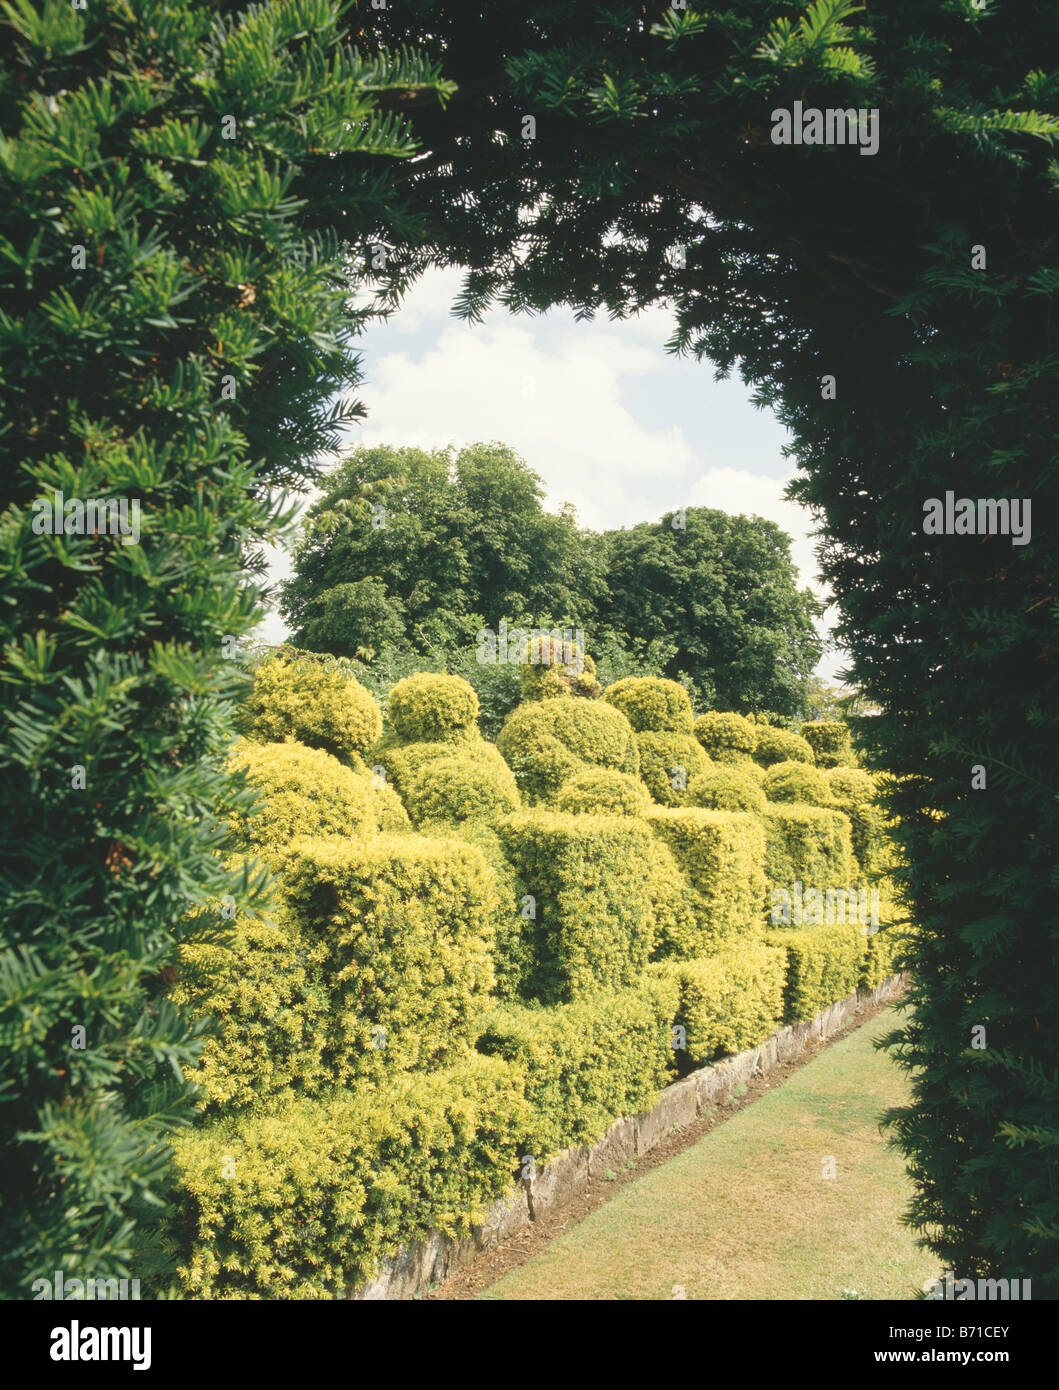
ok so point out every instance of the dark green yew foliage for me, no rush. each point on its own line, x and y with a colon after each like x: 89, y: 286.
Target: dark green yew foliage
x: 190, y: 366
x: 799, y: 262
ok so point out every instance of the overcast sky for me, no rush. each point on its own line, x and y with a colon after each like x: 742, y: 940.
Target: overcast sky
x: 610, y: 421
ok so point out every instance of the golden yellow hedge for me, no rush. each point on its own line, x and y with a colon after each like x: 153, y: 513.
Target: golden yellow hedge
x: 722, y: 853
x: 408, y: 923
x: 547, y: 742
x: 317, y: 705
x: 652, y: 704
x: 592, y: 922
x: 305, y: 791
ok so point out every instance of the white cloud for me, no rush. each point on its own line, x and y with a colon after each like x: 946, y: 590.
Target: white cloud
x: 555, y: 399
x: 589, y: 406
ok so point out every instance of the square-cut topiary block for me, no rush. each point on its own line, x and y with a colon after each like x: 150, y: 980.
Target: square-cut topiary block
x: 883, y: 947
x: 409, y: 924
x: 585, y: 900
x: 588, y: 1063
x: 824, y: 965
x: 811, y: 845
x: 722, y: 853
x: 727, y: 1002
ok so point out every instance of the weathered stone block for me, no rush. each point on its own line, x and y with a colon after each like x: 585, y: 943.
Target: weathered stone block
x: 614, y: 1150
x: 504, y: 1218
x: 676, y: 1107
x: 558, y: 1182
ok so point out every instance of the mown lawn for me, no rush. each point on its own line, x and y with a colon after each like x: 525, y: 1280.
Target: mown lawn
x: 747, y: 1213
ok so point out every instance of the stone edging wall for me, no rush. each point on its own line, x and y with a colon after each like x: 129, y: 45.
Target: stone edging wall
x: 431, y: 1261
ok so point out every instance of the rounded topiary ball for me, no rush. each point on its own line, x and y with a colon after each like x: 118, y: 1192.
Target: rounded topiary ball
x: 794, y: 781
x: 546, y: 742
x: 830, y: 742
x: 727, y: 738
x: 851, y: 785
x: 305, y: 791
x: 432, y: 708
x: 315, y: 704
x: 726, y: 788
x: 775, y: 745
x: 652, y: 704
x: 601, y: 792
x: 669, y: 763
x: 460, y: 788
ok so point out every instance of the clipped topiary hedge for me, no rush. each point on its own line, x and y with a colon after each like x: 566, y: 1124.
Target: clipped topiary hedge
x: 263, y: 986
x: 811, y: 845
x: 725, y: 787
x: 854, y: 792
x: 408, y: 922
x: 830, y: 741
x: 431, y: 707
x: 461, y: 787
x: 796, y: 782
x: 851, y: 785
x: 823, y: 966
x: 676, y: 908
x: 882, y: 951
x: 652, y: 704
x: 319, y: 706
x: 728, y: 1001
x: 302, y: 1202
x: 726, y: 738
x: 722, y: 853
x: 668, y: 765
x: 592, y: 924
x: 305, y: 791
x: 598, y: 791
x: 587, y: 1063
x: 397, y: 764
x: 558, y: 666
x: 512, y: 941
x: 774, y: 745
x: 546, y: 742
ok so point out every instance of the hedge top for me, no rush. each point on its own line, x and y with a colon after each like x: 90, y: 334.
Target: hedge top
x: 726, y: 737
x: 797, y: 781
x: 775, y: 745
x: 652, y: 704
x: 430, y: 707
x: 320, y: 706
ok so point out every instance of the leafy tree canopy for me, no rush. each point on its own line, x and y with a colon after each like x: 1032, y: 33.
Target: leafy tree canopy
x: 724, y: 590
x: 416, y: 550
x: 417, y: 547
x: 896, y: 307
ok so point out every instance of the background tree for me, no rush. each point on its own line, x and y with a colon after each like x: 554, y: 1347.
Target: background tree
x: 173, y: 333
x: 450, y: 541
x: 921, y: 278
x: 723, y: 589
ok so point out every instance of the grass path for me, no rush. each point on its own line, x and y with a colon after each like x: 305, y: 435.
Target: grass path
x: 748, y: 1213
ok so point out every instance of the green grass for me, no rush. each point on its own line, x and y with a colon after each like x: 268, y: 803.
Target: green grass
x: 746, y: 1213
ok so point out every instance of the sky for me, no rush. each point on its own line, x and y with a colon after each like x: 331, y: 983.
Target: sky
x: 610, y: 421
